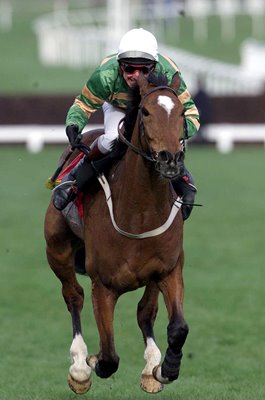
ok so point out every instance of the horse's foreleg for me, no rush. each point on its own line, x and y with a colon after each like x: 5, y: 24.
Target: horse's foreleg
x: 146, y: 314
x: 104, y: 301
x: 173, y: 291
x: 79, y: 377
x: 60, y: 257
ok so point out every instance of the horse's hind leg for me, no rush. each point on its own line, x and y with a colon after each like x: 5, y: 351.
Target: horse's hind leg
x: 177, y: 330
x: 146, y: 314
x: 60, y: 256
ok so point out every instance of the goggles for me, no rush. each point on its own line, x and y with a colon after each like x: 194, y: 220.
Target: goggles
x: 130, y: 68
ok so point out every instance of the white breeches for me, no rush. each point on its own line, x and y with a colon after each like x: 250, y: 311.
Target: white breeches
x: 112, y: 117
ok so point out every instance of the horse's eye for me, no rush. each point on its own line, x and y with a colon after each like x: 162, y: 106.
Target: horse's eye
x: 145, y: 112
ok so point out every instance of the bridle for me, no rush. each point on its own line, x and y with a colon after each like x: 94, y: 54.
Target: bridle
x: 150, y: 156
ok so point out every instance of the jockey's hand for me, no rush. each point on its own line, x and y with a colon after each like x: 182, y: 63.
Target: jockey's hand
x: 72, y: 132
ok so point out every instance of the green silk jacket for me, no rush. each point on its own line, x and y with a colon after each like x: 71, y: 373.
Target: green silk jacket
x: 107, y: 84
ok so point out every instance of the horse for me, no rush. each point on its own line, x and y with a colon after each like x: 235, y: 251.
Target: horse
x: 137, y: 241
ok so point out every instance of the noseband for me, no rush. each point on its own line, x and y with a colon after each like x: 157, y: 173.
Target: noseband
x: 151, y: 156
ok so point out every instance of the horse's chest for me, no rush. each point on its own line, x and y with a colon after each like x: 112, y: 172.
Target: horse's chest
x: 130, y: 268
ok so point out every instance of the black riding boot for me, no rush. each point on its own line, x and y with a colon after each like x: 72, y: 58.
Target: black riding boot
x: 67, y: 191
x: 185, y: 187
x: 79, y: 177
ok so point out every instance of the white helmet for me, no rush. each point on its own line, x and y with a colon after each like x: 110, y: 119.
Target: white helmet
x: 138, y: 44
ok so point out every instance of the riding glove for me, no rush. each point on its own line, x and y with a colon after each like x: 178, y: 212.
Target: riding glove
x: 72, y: 132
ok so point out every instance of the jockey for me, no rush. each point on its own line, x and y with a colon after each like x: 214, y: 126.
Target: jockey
x: 108, y: 88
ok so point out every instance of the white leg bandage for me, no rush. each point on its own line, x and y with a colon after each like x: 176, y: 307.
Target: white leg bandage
x: 152, y: 356
x: 79, y: 369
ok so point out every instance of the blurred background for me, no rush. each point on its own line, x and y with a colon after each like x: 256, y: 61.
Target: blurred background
x: 48, y: 50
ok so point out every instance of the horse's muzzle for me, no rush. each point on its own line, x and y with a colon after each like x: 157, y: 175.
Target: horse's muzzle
x: 170, y: 166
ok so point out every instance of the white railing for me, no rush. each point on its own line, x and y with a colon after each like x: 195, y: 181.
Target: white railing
x: 226, y: 135
x: 80, y: 39
x: 219, y: 78
x: 35, y: 137
x: 6, y: 15
x: 75, y: 39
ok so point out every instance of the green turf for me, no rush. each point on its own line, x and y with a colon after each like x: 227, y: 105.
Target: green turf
x: 224, y: 279
x: 21, y: 71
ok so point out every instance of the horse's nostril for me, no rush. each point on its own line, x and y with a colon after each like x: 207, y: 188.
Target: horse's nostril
x: 164, y: 156
x: 180, y: 155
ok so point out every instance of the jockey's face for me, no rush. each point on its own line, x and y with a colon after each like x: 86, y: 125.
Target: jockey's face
x: 131, y: 72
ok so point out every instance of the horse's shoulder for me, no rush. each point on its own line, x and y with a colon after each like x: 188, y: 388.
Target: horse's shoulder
x: 114, y: 173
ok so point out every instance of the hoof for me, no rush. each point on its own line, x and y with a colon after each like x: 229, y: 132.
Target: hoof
x: 158, y: 375
x: 79, y: 387
x: 91, y: 361
x: 150, y: 385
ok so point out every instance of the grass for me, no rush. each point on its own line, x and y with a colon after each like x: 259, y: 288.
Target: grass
x: 224, y: 300
x: 21, y: 71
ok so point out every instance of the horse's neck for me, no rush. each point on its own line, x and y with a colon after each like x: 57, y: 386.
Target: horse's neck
x: 141, y: 189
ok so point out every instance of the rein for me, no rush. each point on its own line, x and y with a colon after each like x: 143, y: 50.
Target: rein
x: 132, y: 146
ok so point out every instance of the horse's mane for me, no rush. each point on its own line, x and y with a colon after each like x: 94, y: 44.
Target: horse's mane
x: 135, y: 99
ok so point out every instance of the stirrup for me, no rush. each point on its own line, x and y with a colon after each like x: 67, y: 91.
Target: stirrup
x: 64, y: 194
x: 188, y: 199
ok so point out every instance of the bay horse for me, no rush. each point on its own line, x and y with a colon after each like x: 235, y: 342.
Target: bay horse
x: 141, y: 245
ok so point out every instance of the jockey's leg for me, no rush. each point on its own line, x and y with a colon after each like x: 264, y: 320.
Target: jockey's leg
x: 185, y: 187
x: 101, y: 156
x: 83, y: 173
x: 66, y: 192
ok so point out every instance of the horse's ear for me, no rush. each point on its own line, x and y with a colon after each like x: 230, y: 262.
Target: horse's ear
x: 175, y: 84
x: 143, y: 84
